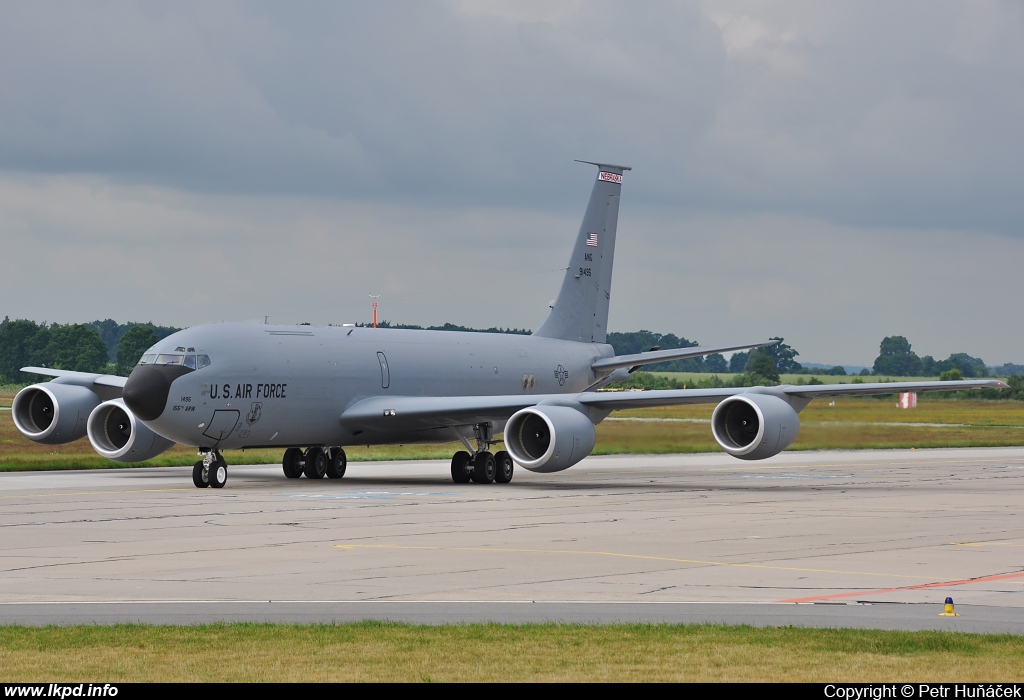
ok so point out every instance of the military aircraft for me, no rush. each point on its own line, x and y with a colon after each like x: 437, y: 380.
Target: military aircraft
x: 312, y: 391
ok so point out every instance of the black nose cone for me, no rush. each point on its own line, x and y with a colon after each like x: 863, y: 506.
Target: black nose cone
x: 145, y: 392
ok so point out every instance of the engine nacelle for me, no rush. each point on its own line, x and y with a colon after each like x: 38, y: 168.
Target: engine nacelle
x: 549, y: 438
x: 754, y: 426
x: 53, y: 413
x: 115, y: 433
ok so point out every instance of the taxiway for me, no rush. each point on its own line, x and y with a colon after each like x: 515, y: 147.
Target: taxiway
x: 860, y: 539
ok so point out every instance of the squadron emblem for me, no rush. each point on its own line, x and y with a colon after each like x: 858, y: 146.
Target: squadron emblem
x: 255, y: 413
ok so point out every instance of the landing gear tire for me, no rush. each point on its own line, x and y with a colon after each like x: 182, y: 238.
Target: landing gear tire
x: 503, y: 467
x: 218, y: 473
x: 292, y: 463
x: 199, y: 476
x: 484, y: 468
x: 336, y: 463
x: 460, y: 468
x: 316, y: 463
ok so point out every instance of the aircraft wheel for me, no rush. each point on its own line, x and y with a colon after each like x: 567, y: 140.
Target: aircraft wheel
x: 336, y: 463
x: 484, y: 468
x: 199, y: 478
x: 218, y: 473
x: 292, y: 463
x: 460, y: 467
x: 316, y: 463
x: 503, y: 467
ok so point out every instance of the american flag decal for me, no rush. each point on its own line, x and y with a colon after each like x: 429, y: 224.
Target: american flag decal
x: 592, y: 240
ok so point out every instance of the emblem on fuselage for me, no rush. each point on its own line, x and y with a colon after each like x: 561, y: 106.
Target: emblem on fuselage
x: 255, y: 413
x: 561, y: 374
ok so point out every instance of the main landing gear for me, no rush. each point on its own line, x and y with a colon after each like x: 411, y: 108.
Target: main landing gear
x: 480, y: 466
x: 314, y: 462
x: 211, y: 470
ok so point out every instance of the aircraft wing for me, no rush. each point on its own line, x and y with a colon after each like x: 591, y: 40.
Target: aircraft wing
x: 618, y: 400
x: 820, y: 390
x: 415, y: 412
x: 80, y: 378
x: 649, y: 358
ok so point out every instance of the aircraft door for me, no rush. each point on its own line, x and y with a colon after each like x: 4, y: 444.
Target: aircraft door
x: 221, y: 425
x: 385, y: 373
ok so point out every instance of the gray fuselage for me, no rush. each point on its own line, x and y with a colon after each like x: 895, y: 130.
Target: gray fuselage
x: 286, y: 386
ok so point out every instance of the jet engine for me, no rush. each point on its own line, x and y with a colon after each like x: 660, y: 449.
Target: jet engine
x: 754, y: 426
x: 115, y: 433
x: 549, y: 438
x: 53, y: 413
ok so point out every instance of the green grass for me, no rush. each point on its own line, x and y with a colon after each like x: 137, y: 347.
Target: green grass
x: 374, y: 651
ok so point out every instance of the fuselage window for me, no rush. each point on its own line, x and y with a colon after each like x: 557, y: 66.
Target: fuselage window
x: 202, y: 361
x: 148, y: 359
x: 169, y: 359
x: 190, y: 361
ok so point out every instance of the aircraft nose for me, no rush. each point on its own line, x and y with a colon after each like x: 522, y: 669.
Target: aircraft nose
x: 145, y: 393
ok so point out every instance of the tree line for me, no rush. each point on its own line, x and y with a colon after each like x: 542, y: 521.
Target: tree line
x: 111, y: 347
x: 896, y: 358
x: 100, y: 346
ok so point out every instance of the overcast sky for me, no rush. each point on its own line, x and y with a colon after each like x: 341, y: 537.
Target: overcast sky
x: 827, y: 172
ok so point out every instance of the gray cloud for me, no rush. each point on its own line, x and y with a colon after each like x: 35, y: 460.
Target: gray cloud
x: 802, y: 155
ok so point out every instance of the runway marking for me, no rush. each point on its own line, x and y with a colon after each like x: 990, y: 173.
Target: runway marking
x: 236, y: 487
x: 624, y: 556
x: 191, y: 602
x: 920, y: 586
x: 812, y: 465
x: 366, y: 495
x: 97, y: 493
x: 986, y: 544
x: 812, y: 477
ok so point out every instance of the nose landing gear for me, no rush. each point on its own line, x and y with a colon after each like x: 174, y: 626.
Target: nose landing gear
x: 211, y: 470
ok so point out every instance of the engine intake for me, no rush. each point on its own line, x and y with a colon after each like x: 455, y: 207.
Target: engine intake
x: 53, y: 413
x: 754, y: 426
x: 115, y: 433
x: 549, y: 438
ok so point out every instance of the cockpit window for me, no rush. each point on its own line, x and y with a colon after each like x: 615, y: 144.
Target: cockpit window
x: 172, y: 358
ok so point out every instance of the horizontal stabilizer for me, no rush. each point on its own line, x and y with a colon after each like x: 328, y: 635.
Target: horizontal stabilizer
x: 649, y: 358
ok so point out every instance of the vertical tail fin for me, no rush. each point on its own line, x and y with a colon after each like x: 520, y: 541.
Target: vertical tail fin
x: 581, y: 310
